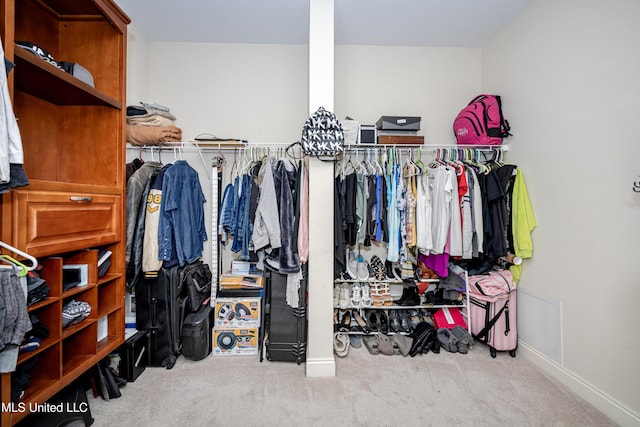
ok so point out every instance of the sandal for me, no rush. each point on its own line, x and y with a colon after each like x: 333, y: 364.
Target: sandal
x: 376, y: 295
x: 361, y: 323
x: 387, y: 299
x: 345, y: 323
x: 341, y: 344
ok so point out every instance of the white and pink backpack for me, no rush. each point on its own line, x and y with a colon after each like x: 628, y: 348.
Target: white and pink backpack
x: 481, y: 122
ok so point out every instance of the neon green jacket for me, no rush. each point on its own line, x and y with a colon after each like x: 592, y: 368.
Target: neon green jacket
x: 523, y: 222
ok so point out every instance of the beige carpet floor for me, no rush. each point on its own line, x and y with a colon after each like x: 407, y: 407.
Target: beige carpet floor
x: 446, y: 389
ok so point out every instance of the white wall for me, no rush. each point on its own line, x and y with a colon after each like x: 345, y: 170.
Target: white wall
x: 253, y: 92
x: 434, y: 83
x: 568, y: 72
x: 137, y: 66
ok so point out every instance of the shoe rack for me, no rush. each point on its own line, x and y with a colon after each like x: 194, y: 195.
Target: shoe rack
x: 353, y: 307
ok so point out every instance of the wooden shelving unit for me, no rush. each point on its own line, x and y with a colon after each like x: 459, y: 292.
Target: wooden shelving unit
x: 73, y: 138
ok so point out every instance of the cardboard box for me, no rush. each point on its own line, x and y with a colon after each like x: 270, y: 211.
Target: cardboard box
x: 448, y: 317
x: 241, y: 281
x: 401, y: 139
x: 237, y: 312
x: 398, y: 123
x: 235, y: 342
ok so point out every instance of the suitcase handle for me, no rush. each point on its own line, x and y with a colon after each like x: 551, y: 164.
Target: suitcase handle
x: 485, y: 331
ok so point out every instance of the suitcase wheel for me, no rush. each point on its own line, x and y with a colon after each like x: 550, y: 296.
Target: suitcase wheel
x: 492, y: 351
x: 512, y: 353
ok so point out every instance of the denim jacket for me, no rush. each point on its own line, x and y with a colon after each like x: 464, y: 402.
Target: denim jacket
x: 181, y: 229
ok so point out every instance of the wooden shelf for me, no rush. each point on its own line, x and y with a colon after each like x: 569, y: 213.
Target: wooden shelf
x: 43, y: 80
x: 73, y: 138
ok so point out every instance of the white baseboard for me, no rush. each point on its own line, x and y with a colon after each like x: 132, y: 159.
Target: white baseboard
x: 320, y: 367
x: 604, y: 403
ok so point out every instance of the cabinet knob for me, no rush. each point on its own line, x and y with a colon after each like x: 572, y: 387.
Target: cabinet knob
x: 81, y: 199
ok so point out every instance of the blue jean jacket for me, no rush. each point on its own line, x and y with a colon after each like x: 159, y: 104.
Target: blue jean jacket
x: 181, y: 228
x: 242, y: 234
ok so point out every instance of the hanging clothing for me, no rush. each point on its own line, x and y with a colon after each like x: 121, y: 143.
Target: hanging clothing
x: 393, y: 215
x: 441, y: 188
x: 476, y: 213
x: 150, y: 260
x: 424, y: 235
x: 11, y: 155
x: 350, y: 214
x: 135, y: 188
x: 181, y: 230
x: 14, y: 319
x: 134, y: 267
x: 455, y: 226
x: 303, y: 225
x: 362, y: 192
x: 266, y: 225
x: 523, y: 223
x: 285, y: 259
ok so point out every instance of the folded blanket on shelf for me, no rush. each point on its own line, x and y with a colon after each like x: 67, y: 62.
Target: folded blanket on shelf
x: 150, y: 120
x: 148, y: 135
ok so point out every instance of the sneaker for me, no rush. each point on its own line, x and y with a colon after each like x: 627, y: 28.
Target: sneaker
x: 355, y: 296
x: 74, y: 312
x: 343, y: 300
x: 365, y: 297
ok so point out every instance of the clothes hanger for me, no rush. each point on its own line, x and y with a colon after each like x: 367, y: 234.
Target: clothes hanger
x: 34, y: 262
x: 22, y: 269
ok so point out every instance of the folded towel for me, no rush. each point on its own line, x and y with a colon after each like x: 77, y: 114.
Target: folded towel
x: 150, y: 120
x: 149, y: 135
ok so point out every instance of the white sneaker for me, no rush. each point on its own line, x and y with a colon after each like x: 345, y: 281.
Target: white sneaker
x: 356, y: 295
x: 343, y: 302
x: 365, y: 298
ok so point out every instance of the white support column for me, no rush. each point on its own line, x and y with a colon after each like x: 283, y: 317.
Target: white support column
x: 320, y: 360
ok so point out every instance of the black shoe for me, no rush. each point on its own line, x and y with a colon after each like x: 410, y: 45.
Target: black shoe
x: 394, y: 321
x: 388, y: 269
x: 403, y: 297
x: 405, y: 322
x: 430, y: 298
x: 373, y: 320
x: 384, y: 322
x: 411, y: 296
x: 345, y: 323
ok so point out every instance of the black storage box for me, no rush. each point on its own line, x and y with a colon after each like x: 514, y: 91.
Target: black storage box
x: 398, y: 123
x: 196, y: 334
x: 133, y: 356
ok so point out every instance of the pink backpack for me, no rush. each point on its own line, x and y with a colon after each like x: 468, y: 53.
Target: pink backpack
x: 481, y: 122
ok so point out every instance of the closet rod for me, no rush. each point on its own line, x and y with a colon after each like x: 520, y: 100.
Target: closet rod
x: 188, y: 146
x: 425, y: 147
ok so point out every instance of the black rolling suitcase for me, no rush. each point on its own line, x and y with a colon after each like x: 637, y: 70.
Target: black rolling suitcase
x: 160, y: 309
x: 286, y: 335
